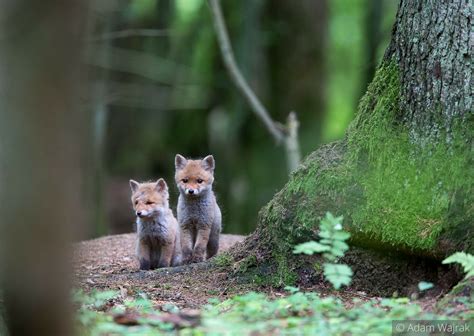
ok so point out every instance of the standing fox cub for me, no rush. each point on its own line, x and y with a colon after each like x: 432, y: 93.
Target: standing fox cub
x: 158, y: 238
x: 199, y: 215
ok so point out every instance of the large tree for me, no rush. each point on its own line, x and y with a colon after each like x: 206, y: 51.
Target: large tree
x: 402, y: 176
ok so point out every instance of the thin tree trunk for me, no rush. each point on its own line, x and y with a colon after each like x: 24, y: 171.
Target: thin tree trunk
x: 297, y: 62
x: 40, y: 155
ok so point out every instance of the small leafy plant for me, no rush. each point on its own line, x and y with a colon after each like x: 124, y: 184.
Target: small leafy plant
x: 298, y: 313
x: 465, y: 259
x: 332, y: 245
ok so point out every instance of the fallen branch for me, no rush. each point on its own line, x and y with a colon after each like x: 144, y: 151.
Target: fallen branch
x: 287, y: 134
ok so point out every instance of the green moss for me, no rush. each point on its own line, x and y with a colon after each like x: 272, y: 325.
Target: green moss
x: 246, y: 263
x: 409, y: 193
x: 461, y: 294
x: 408, y: 187
x: 223, y: 259
x: 392, y: 190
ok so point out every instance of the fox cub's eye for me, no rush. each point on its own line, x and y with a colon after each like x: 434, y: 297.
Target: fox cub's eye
x: 199, y: 181
x: 136, y: 202
x: 149, y: 203
x: 185, y: 180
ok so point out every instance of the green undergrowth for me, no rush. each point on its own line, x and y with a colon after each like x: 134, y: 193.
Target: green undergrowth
x: 332, y: 245
x: 289, y: 313
x: 391, y: 190
x: 295, y: 313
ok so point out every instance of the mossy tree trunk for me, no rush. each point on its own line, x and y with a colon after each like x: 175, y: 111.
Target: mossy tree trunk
x: 432, y: 47
x: 402, y: 177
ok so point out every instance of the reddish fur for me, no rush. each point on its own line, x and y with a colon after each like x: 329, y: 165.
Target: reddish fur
x: 193, y: 171
x: 147, y: 192
x: 158, y: 245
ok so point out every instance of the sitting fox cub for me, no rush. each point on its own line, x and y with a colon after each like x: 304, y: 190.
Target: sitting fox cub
x: 199, y: 216
x: 158, y: 238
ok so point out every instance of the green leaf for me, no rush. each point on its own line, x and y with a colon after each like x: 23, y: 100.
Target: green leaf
x: 465, y: 259
x: 331, y: 221
x: 292, y: 289
x: 310, y: 248
x: 341, y: 235
x: 338, y: 275
x: 340, y: 245
x: 423, y: 285
x: 325, y: 234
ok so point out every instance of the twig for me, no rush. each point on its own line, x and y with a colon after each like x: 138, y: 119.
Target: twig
x: 291, y: 142
x: 240, y: 82
x: 288, y: 133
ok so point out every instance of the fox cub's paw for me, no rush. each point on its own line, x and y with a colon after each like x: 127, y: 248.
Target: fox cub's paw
x: 145, y: 265
x: 187, y: 257
x: 198, y: 256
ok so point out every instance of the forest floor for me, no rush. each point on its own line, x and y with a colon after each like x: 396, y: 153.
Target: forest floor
x: 109, y: 263
x: 214, y: 297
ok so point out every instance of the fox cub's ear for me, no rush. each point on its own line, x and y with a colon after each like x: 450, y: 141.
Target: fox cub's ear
x: 208, y: 163
x: 134, y: 185
x: 161, y: 185
x: 180, y: 162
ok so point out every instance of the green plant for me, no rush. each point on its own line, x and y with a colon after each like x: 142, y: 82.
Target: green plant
x: 332, y: 245
x: 424, y: 285
x: 296, y: 313
x: 465, y: 259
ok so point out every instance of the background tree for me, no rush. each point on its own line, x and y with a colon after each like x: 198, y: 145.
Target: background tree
x: 296, y: 53
x: 43, y: 149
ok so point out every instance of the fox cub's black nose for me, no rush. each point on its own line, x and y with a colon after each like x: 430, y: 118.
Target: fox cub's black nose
x: 191, y: 191
x: 139, y: 213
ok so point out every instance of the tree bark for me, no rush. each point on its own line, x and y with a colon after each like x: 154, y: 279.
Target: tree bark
x: 41, y: 142
x: 402, y: 177
x: 432, y: 44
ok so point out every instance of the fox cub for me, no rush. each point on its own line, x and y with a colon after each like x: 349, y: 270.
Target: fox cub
x: 158, y: 238
x: 199, y: 216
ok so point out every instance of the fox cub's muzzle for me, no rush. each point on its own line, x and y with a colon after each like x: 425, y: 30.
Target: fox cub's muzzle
x: 191, y: 191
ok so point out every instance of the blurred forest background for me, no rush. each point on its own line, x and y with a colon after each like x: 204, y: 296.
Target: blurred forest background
x: 160, y: 88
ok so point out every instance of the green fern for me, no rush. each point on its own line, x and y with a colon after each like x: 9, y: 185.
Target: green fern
x: 338, y: 275
x: 465, y: 259
x: 310, y: 248
x: 333, y: 246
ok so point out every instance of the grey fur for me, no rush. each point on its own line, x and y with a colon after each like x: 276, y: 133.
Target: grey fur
x: 155, y: 233
x: 179, y: 162
x: 197, y: 213
x: 199, y: 216
x: 134, y: 185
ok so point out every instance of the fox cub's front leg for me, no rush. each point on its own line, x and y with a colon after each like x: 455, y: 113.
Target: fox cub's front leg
x: 202, y: 238
x: 144, y: 256
x: 166, y: 255
x: 187, y: 240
